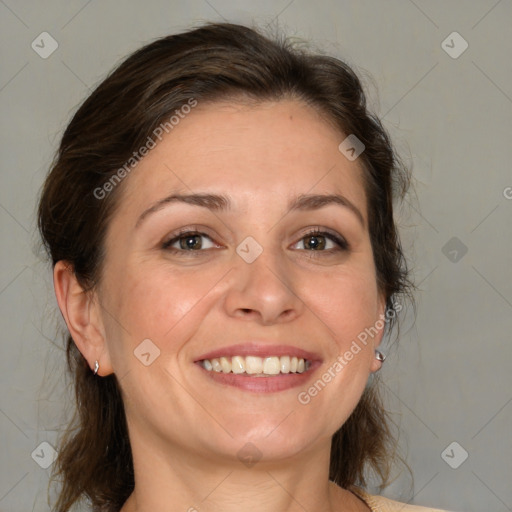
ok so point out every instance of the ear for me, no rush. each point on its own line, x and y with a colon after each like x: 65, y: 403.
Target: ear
x: 82, y: 312
x: 380, y: 321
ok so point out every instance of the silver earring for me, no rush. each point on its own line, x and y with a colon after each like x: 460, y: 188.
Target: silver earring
x: 380, y: 356
x: 96, y: 367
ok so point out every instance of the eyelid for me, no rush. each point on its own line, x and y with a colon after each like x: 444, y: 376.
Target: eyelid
x: 337, y: 238
x: 183, y: 232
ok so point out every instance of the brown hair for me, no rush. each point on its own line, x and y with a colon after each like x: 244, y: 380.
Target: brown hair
x: 215, y: 61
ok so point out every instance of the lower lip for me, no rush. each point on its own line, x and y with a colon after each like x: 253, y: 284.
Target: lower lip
x: 280, y: 382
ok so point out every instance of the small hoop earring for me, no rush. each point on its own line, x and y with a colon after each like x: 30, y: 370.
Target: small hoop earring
x: 96, y: 367
x: 380, y: 356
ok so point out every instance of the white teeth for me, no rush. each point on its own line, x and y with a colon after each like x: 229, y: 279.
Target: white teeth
x: 217, y: 367
x: 272, y: 365
x: 237, y: 364
x: 253, y: 365
x: 226, y: 364
x: 285, y: 364
x: 257, y: 366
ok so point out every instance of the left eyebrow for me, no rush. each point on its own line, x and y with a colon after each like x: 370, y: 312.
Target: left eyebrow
x: 317, y: 201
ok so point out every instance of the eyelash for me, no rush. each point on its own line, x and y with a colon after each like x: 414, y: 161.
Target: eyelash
x: 338, y: 240
x: 186, y: 233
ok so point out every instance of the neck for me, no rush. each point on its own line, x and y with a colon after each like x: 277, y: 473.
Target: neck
x: 186, y: 482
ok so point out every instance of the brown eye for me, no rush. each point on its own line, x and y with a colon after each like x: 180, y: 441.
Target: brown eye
x: 315, y: 242
x: 322, y: 242
x: 189, y: 242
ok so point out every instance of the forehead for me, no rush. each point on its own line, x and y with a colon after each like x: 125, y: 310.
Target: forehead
x: 275, y: 149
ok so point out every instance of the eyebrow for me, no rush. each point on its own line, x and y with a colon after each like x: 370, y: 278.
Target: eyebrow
x: 217, y: 203
x: 316, y: 201
x: 211, y: 201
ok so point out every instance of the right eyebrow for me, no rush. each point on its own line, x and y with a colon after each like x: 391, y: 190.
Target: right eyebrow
x: 213, y: 202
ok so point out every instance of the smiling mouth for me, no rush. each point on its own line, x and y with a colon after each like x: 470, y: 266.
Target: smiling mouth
x: 254, y: 366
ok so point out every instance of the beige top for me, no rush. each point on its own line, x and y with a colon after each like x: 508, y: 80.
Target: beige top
x: 381, y: 504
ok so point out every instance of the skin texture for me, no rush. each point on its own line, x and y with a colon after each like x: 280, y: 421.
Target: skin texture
x: 185, y: 430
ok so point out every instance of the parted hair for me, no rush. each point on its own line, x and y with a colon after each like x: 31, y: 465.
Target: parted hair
x: 209, y: 63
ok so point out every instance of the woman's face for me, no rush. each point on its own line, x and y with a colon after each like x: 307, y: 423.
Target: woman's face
x: 250, y: 278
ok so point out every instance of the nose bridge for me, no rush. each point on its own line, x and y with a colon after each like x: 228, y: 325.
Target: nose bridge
x: 263, y: 285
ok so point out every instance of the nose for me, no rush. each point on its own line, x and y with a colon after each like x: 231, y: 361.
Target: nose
x: 263, y: 291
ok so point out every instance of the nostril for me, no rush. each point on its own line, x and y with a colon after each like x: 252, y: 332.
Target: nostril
x: 287, y: 315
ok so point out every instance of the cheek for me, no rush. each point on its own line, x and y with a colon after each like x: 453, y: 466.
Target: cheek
x: 346, y: 305
x: 346, y: 302
x: 153, y: 302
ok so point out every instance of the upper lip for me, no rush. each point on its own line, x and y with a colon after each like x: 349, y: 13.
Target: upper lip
x: 259, y: 349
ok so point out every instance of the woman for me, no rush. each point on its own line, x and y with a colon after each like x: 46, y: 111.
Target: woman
x: 219, y: 217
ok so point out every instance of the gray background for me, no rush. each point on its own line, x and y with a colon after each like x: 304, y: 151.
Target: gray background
x: 448, y: 378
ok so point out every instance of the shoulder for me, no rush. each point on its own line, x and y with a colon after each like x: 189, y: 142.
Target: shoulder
x: 381, y: 504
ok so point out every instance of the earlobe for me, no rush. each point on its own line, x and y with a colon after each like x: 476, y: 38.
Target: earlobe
x: 82, y: 316
x: 380, y: 323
